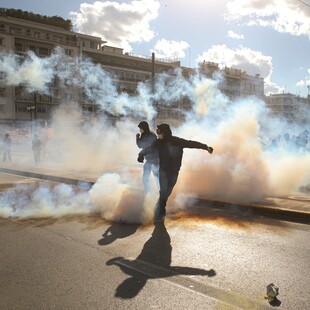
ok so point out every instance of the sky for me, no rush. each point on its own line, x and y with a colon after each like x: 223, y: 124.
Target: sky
x: 270, y: 38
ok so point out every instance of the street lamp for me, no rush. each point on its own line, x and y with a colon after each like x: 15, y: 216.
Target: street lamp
x: 31, y: 108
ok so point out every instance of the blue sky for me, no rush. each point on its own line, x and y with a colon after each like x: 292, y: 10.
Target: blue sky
x: 271, y: 38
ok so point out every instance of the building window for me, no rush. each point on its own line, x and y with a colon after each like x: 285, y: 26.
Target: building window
x: 16, y: 30
x: 21, y: 109
x: 2, y: 92
x: 68, y: 52
x: 43, y: 51
x: 18, y: 47
x: 32, y: 48
x: 93, y: 45
x: 37, y: 35
x: 41, y: 109
x: 2, y: 75
x: 1, y: 41
x: 57, y: 38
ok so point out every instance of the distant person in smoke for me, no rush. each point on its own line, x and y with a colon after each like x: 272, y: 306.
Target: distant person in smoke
x: 36, y: 149
x: 7, y: 148
x: 144, y: 139
x: 170, y: 151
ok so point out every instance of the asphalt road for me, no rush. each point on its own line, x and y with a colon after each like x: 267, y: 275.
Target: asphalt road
x: 217, y: 261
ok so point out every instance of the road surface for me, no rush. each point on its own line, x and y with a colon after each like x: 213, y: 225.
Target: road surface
x: 215, y: 261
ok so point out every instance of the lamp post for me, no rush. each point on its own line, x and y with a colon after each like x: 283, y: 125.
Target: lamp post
x: 31, y: 108
x: 35, y: 104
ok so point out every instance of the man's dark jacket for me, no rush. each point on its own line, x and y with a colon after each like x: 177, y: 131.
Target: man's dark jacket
x: 170, y: 151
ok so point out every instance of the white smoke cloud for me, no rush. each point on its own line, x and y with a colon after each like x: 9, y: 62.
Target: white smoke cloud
x: 253, y: 62
x: 170, y: 49
x: 288, y: 16
x: 242, y: 168
x: 42, y: 200
x: 117, y: 200
x: 37, y: 74
x: 131, y: 22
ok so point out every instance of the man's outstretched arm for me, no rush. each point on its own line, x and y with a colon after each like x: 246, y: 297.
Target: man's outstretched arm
x: 194, y: 145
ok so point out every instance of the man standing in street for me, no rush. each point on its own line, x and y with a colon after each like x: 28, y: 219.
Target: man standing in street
x: 36, y: 148
x: 7, y: 147
x: 170, y: 151
x: 144, y: 139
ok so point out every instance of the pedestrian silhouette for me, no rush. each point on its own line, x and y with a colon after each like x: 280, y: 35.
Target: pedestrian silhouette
x: 117, y: 231
x: 7, y: 148
x: 36, y: 149
x: 156, y: 253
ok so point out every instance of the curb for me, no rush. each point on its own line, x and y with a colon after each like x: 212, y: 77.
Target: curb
x: 52, y: 178
x: 259, y: 210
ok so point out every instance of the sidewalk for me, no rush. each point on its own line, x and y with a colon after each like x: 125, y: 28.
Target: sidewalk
x: 291, y: 207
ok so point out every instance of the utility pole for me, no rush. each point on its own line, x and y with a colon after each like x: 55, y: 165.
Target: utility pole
x: 32, y: 109
x: 35, y: 104
x: 153, y: 88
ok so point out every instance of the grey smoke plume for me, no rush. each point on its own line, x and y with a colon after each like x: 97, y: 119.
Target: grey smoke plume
x: 243, y: 168
x: 42, y: 200
x: 37, y: 74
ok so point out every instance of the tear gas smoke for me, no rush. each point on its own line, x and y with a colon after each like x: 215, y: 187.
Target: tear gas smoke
x: 243, y: 168
x: 43, y: 201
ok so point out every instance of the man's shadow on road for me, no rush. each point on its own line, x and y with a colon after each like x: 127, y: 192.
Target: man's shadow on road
x: 117, y: 231
x: 157, y: 252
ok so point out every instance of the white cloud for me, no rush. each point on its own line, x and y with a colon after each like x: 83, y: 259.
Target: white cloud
x: 170, y: 49
x: 118, y: 23
x: 289, y: 16
x: 305, y: 81
x: 251, y: 61
x: 234, y: 35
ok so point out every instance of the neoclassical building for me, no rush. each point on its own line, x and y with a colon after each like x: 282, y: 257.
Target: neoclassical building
x: 42, y: 35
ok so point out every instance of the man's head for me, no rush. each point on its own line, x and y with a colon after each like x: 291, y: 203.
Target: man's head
x: 144, y: 127
x: 163, y: 131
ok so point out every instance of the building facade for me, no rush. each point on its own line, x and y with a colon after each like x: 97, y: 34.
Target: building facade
x: 235, y: 83
x: 20, y: 36
x: 290, y: 107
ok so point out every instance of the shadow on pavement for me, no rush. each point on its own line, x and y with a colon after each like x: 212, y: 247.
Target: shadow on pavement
x: 156, y: 254
x: 275, y: 303
x: 117, y: 231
